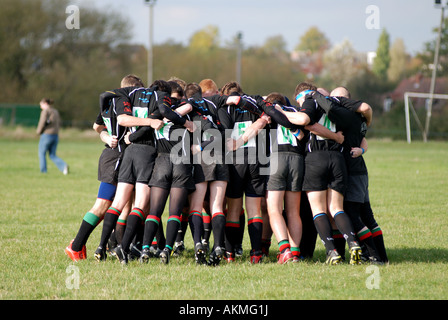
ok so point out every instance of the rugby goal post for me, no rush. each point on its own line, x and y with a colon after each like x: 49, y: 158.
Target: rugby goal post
x: 409, y: 107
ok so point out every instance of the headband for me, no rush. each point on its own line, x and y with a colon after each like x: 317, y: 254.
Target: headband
x: 303, y: 93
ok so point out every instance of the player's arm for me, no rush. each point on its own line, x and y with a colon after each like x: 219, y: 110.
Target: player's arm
x: 112, y: 141
x: 216, y: 136
x: 366, y: 110
x: 126, y: 120
x: 99, y: 125
x: 100, y: 128
x: 164, y: 105
x: 299, y: 118
x: 299, y: 134
x: 184, y: 109
x: 324, y: 132
x: 359, y: 151
x: 248, y: 134
x: 125, y: 117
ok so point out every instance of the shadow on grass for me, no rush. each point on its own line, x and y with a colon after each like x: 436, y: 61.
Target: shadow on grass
x: 417, y: 255
x: 402, y: 255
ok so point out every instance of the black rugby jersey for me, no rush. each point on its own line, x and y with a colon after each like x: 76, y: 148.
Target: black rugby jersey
x: 205, y: 112
x: 173, y: 138
x: 146, y: 103
x: 281, y: 138
x: 108, y: 118
x: 235, y: 120
x: 352, y: 124
x: 318, y: 115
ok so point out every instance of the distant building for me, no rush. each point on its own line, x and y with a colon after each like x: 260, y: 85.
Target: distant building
x: 419, y: 83
x: 371, y: 55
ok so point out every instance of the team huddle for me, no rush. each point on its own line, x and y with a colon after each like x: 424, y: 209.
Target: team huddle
x: 216, y: 158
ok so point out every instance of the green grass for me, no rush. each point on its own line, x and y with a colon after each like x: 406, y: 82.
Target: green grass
x: 42, y: 213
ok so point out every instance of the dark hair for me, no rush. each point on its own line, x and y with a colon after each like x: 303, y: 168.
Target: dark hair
x: 162, y: 85
x: 176, y: 88
x: 47, y: 100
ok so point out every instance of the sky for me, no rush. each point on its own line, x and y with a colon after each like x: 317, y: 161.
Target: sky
x: 359, y: 21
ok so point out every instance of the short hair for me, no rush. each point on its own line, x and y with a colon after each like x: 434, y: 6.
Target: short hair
x: 191, y: 89
x: 131, y: 80
x: 176, y: 88
x: 340, y: 92
x: 302, y: 87
x: 231, y: 87
x: 276, y: 97
x: 162, y: 85
x: 208, y: 85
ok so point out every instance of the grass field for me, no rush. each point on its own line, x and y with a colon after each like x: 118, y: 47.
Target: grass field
x: 42, y: 213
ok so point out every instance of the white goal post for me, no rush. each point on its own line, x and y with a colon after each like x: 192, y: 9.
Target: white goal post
x: 408, y: 106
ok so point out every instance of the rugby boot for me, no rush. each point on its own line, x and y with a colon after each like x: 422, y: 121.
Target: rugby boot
x: 165, y: 256
x: 199, y: 254
x: 75, y: 255
x: 285, y: 257
x: 355, y: 253
x: 256, y: 257
x: 333, y: 257
x: 216, y: 256
x: 100, y: 254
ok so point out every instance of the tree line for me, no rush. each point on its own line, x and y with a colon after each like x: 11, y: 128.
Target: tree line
x: 41, y: 57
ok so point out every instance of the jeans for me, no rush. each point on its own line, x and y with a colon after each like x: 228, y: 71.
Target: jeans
x: 49, y: 143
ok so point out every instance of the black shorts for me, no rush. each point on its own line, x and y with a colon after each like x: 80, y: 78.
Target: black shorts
x: 210, y: 172
x: 137, y: 164
x: 286, y: 172
x: 245, y: 179
x: 168, y: 175
x: 357, y: 188
x: 108, y: 165
x: 325, y: 170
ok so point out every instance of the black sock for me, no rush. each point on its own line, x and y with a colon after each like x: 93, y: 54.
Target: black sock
x: 323, y: 227
x: 151, y: 225
x: 377, y: 236
x: 345, y: 226
x: 232, y: 235
x: 218, y: 227
x: 196, y: 226
x: 88, y: 224
x: 183, y: 226
x: 339, y: 242
x: 160, y: 236
x: 172, y: 226
x: 110, y: 220
x: 255, y: 230
x: 134, y: 221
